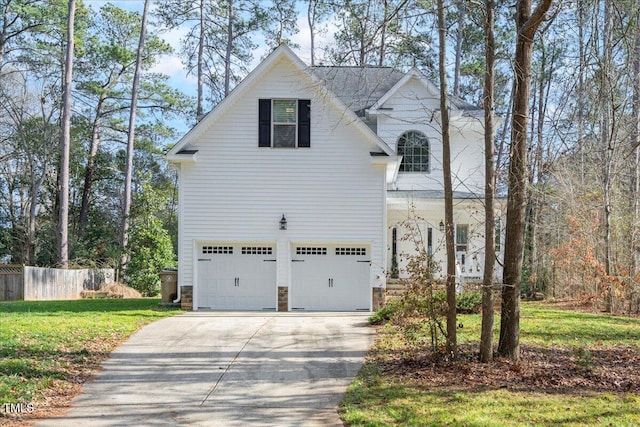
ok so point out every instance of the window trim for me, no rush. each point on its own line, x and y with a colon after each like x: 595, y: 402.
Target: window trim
x: 426, y: 147
x: 293, y: 124
x: 464, y: 244
x: 266, y: 123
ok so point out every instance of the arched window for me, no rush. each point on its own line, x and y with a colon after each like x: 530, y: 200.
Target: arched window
x: 414, y: 147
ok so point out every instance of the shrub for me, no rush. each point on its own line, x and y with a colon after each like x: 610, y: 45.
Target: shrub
x: 469, y: 302
x: 150, y: 251
x: 466, y: 302
x: 385, y: 313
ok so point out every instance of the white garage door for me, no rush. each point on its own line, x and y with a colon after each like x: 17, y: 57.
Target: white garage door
x: 332, y: 278
x: 237, y: 277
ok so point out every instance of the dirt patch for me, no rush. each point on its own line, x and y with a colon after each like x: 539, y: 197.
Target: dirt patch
x: 118, y: 290
x: 112, y: 290
x: 545, y: 370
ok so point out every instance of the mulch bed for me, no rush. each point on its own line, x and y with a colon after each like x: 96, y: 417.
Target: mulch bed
x: 545, y: 370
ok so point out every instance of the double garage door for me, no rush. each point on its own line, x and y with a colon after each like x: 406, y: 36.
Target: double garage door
x: 323, y: 277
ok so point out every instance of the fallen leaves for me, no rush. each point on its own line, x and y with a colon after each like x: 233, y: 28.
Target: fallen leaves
x: 541, y: 369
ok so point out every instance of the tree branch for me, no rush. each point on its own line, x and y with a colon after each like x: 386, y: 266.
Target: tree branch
x: 529, y: 28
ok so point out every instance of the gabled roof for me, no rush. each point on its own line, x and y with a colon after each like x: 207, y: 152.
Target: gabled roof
x: 431, y: 88
x: 182, y: 152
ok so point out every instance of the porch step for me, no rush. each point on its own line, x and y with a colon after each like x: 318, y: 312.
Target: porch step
x: 395, y: 288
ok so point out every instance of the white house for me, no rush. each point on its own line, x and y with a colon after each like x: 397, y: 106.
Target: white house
x: 294, y: 189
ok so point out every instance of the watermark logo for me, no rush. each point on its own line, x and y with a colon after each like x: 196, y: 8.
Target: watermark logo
x: 17, y: 408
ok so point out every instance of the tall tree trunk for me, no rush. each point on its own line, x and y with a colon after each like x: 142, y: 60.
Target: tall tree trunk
x: 227, y: 56
x: 486, y: 336
x: 635, y: 173
x: 128, y: 172
x: 200, y: 77
x: 90, y: 169
x: 311, y: 19
x: 65, y: 144
x: 462, y: 9
x: 4, y: 32
x: 502, y: 137
x: 452, y: 344
x: 606, y: 140
x: 581, y: 96
x: 383, y: 33
x: 536, y: 176
x: 527, y: 24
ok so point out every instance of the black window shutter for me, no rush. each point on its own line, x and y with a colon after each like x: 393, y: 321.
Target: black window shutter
x: 304, y: 123
x: 264, y: 123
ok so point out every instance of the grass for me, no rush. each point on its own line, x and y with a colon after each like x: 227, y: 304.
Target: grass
x: 399, y: 396
x: 544, y: 326
x: 48, y: 348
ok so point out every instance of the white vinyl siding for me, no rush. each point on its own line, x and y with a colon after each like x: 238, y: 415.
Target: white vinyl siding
x: 329, y: 193
x: 412, y: 108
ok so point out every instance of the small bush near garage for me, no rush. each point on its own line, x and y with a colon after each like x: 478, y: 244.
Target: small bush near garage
x: 150, y: 251
x: 466, y: 303
x: 386, y: 312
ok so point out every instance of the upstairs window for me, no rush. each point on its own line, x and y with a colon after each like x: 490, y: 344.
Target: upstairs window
x: 284, y: 123
x: 414, y: 147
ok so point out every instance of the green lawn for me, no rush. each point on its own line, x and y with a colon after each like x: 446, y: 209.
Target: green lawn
x: 47, y: 348
x: 381, y: 396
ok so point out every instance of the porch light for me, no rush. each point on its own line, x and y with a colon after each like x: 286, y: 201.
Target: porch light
x: 283, y: 223
x: 441, y: 226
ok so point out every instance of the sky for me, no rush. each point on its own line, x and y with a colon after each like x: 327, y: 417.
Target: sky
x: 171, y: 65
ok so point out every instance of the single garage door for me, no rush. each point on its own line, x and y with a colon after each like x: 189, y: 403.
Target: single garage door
x: 237, y: 277
x: 331, y: 278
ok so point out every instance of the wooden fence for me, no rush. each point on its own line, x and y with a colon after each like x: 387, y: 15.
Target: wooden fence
x: 11, y: 284
x: 19, y: 282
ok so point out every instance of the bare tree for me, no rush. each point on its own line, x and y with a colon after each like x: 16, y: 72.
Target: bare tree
x: 312, y: 19
x: 527, y: 24
x: 635, y: 172
x: 462, y: 9
x: 486, y: 336
x: 452, y: 346
x: 65, y: 144
x: 316, y: 11
x: 608, y: 141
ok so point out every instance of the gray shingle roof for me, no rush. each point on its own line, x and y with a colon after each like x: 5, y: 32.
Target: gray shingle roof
x: 358, y: 87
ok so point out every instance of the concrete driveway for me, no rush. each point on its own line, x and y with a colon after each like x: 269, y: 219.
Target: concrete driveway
x: 227, y: 369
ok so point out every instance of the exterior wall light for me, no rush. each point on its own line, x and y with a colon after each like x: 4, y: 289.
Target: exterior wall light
x: 441, y: 226
x: 283, y: 223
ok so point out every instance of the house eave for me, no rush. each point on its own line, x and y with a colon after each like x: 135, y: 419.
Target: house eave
x: 392, y: 164
x: 187, y: 157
